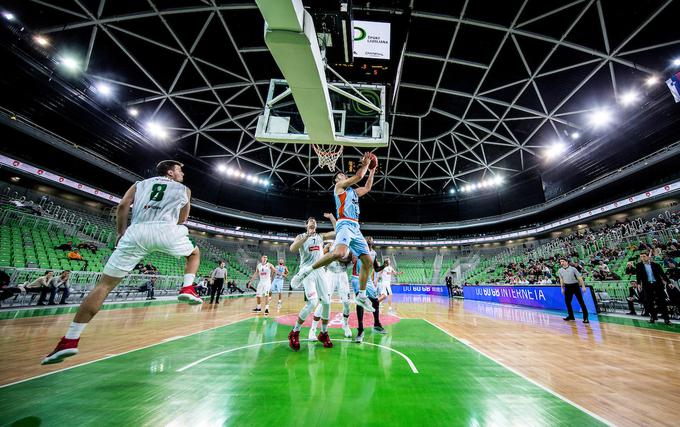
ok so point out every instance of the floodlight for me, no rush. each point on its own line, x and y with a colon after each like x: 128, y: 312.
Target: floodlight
x: 629, y: 98
x: 42, y: 41
x: 156, y: 130
x: 70, y: 63
x: 222, y: 167
x: 104, y: 89
x: 133, y: 111
x: 600, y: 118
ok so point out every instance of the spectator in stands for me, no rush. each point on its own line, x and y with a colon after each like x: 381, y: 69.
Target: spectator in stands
x: 203, y: 286
x: 673, y: 272
x: 634, y: 296
x: 231, y: 287
x: 68, y: 246
x: 149, y: 287
x: 653, y: 280
x: 6, y: 291
x: 55, y: 285
x: 75, y: 255
x: 39, y: 284
x: 138, y: 268
x: 673, y: 292
x: 630, y: 268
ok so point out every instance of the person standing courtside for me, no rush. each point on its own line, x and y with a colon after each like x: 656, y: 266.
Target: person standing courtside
x: 570, y: 280
x: 652, y: 278
x: 217, y: 277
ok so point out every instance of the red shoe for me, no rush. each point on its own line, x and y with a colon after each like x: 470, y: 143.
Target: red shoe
x: 294, y: 340
x: 65, y: 348
x: 325, y: 339
x: 188, y: 294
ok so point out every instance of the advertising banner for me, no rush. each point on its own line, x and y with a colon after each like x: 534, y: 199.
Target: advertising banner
x: 371, y: 39
x: 548, y: 297
x: 420, y: 290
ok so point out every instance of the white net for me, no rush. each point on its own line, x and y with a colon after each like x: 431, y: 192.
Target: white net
x: 328, y: 155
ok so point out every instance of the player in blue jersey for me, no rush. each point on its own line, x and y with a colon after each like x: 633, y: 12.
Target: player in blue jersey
x: 348, y: 236
x: 277, y: 284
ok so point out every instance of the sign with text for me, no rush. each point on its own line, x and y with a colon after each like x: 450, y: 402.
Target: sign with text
x: 549, y: 297
x: 371, y: 39
x: 420, y: 290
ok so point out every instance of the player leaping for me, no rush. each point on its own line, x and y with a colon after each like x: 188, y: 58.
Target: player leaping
x: 159, y: 206
x: 348, y: 236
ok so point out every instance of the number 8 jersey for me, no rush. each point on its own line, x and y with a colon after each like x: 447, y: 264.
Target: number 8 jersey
x: 158, y: 200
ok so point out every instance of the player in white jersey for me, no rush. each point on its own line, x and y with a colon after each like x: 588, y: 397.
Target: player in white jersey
x: 277, y: 283
x: 337, y: 281
x: 310, y: 245
x: 159, y: 206
x: 264, y: 270
x: 385, y: 287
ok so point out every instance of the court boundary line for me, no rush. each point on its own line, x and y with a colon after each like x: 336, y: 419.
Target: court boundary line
x: 408, y: 360
x: 514, y: 371
x: 120, y: 354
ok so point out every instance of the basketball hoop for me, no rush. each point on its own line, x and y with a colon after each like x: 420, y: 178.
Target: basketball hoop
x: 328, y: 155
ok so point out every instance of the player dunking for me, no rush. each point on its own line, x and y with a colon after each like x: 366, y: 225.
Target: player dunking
x: 264, y: 270
x: 277, y: 283
x: 159, y: 206
x: 309, y: 245
x: 348, y: 236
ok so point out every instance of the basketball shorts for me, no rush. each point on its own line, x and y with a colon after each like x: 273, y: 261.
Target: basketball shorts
x: 348, y: 233
x: 263, y: 288
x: 140, y: 240
x: 338, y: 282
x: 316, y: 286
x: 386, y: 289
x: 277, y: 286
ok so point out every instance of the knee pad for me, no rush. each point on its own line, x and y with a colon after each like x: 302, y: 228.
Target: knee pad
x: 325, y: 311
x: 345, y: 308
x: 308, y: 308
x: 318, y: 310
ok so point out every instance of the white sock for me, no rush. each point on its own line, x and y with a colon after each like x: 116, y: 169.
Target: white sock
x: 314, y: 325
x: 188, y: 280
x: 75, y: 330
x: 259, y: 306
x: 297, y: 326
x: 344, y: 321
x: 266, y: 307
x: 362, y: 294
x: 324, y: 327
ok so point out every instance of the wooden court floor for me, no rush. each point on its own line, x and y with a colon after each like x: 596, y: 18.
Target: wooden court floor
x: 621, y: 374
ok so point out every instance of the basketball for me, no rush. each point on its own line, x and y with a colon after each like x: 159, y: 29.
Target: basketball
x: 373, y: 163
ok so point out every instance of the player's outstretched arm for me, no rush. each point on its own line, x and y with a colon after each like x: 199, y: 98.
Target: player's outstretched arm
x: 329, y: 234
x: 358, y: 176
x: 298, y: 242
x: 184, y: 212
x: 369, y: 184
x: 377, y: 267
x: 123, y: 211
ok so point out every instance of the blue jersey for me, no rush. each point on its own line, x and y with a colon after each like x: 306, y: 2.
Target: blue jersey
x: 280, y: 269
x: 347, y: 205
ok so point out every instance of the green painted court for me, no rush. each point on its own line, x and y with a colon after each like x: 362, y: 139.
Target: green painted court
x: 415, y: 375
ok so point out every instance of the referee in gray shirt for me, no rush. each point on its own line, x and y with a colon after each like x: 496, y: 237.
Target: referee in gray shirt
x: 217, y: 282
x: 570, y: 279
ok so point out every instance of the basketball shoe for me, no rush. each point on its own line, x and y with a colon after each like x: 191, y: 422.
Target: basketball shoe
x: 188, y: 294
x: 365, y: 303
x: 325, y: 339
x: 65, y: 348
x: 294, y: 340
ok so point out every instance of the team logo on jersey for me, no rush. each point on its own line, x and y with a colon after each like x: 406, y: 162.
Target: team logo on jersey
x: 314, y: 248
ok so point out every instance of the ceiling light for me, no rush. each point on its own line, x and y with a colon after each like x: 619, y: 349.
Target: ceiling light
x: 42, y: 41
x: 555, y: 149
x: 676, y: 62
x: 104, y: 89
x: 575, y: 135
x: 221, y: 168
x: 70, y: 63
x: 241, y: 175
x: 629, y: 98
x: 498, y: 180
x: 133, y: 111
x: 266, y: 183
x: 600, y: 118
x: 156, y: 130
x: 8, y: 16
x: 452, y: 191
x: 652, y: 80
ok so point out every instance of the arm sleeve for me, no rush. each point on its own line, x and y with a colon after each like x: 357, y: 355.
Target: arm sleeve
x: 377, y: 267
